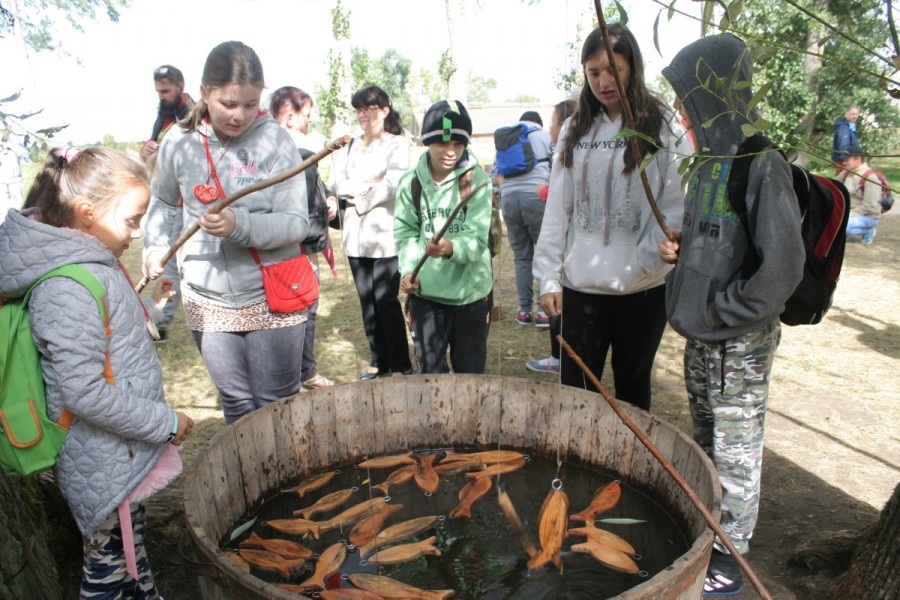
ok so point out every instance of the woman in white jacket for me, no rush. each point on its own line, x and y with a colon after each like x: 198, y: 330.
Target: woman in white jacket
x: 596, y: 258
x: 362, y: 188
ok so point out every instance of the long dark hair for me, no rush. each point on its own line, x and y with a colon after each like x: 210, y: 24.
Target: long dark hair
x: 646, y: 108
x: 375, y: 96
x: 227, y: 63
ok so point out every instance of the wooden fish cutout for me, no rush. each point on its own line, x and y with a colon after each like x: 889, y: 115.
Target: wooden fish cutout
x: 384, y: 462
x: 512, y: 515
x: 426, y: 477
x: 610, y: 557
x: 313, y: 483
x: 269, y: 561
x: 601, y: 536
x: 296, y: 527
x: 240, y: 562
x: 456, y: 467
x: 392, y: 589
x: 486, y: 456
x: 552, y: 521
x: 291, y: 587
x: 469, y: 494
x: 401, y: 475
x: 349, y: 594
x: 498, y: 469
x: 396, y: 533
x: 370, y: 525
x: 606, y: 497
x: 285, y: 548
x: 329, y: 563
x: 352, y: 514
x: 325, y: 503
x: 405, y: 552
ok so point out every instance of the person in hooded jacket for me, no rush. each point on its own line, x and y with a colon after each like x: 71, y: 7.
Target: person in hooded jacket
x: 730, y: 319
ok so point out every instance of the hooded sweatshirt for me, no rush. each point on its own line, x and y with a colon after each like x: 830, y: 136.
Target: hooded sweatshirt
x: 708, y: 298
x: 466, y: 276
x: 274, y: 221
x: 119, y: 430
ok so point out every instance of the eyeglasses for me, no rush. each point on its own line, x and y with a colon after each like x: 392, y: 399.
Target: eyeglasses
x: 364, y: 109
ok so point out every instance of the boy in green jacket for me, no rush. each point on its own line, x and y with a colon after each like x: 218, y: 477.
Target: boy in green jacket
x: 450, y: 299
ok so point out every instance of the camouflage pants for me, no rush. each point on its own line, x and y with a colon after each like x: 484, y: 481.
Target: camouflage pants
x: 103, y: 572
x: 728, y: 385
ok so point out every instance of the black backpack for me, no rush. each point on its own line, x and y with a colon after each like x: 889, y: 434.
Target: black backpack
x: 824, y: 210
x: 317, y: 236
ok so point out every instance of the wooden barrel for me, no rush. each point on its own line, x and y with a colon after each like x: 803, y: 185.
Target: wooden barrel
x: 248, y: 461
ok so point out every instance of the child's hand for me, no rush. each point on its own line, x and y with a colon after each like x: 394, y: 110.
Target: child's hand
x: 153, y: 266
x: 552, y: 303
x: 218, y: 224
x: 407, y: 285
x: 444, y: 247
x: 185, y: 426
x: 165, y: 289
x: 332, y: 204
x: 669, y: 249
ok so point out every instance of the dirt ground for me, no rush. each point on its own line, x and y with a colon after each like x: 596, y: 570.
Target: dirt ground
x: 832, y: 457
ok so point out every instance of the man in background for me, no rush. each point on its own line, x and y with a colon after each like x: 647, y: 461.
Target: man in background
x: 845, y: 136
x: 865, y: 195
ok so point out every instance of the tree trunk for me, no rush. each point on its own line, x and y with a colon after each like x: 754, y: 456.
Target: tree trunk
x: 811, y: 65
x: 458, y: 83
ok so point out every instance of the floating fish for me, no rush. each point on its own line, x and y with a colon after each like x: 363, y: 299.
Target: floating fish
x: 352, y: 514
x: 370, y: 525
x: 486, y: 456
x: 396, y: 533
x: 551, y: 529
x: 405, y: 552
x: 329, y: 563
x: 285, y: 548
x: 469, y: 494
x: 291, y: 587
x: 313, y: 483
x: 509, y: 511
x: 623, y: 521
x: 498, y: 469
x: 610, y: 557
x: 601, y: 536
x: 325, y: 503
x: 269, y: 561
x: 240, y: 562
x: 349, y: 594
x: 426, y: 477
x: 401, y: 475
x: 392, y: 589
x: 458, y: 466
x: 296, y: 526
x: 383, y: 462
x: 606, y: 497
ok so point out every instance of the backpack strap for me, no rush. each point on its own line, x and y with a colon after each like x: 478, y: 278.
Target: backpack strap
x: 738, y: 179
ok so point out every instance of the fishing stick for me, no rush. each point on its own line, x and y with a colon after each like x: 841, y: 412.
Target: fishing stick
x: 629, y: 117
x: 283, y: 176
x: 670, y: 469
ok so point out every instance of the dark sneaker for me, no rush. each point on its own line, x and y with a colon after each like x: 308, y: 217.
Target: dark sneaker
x: 723, y: 576
x: 163, y: 336
x: 523, y: 317
x: 542, y: 320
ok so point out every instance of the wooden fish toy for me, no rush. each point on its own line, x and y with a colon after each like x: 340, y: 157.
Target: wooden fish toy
x: 329, y: 563
x: 512, y: 515
x: 296, y: 527
x: 352, y: 514
x: 498, y: 469
x: 313, y: 483
x: 240, y: 562
x: 269, y: 561
x: 392, y: 589
x: 552, y: 521
x: 606, y: 497
x: 291, y: 587
x: 405, y: 552
x: 384, y: 462
x: 459, y: 466
x: 486, y: 456
x: 469, y: 494
x: 401, y: 475
x: 426, y: 477
x: 601, y: 536
x: 325, y: 503
x: 370, y: 525
x: 610, y: 557
x: 396, y: 533
x: 285, y: 548
x: 349, y: 594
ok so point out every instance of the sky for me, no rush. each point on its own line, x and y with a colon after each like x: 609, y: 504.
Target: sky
x: 109, y: 90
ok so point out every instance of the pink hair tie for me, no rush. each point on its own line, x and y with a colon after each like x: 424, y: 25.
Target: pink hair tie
x: 71, y: 153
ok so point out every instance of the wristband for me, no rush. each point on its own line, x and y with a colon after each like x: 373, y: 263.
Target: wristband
x: 174, y: 430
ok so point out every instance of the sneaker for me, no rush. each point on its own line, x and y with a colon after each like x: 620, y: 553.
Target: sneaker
x: 542, y: 320
x: 317, y: 381
x: 543, y: 365
x: 163, y: 336
x: 867, y: 239
x: 523, y: 317
x: 723, y: 576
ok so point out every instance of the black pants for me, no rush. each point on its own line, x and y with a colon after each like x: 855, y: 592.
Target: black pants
x: 464, y: 329
x: 632, y: 325
x: 378, y: 285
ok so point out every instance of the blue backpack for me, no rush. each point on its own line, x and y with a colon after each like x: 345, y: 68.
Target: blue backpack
x: 515, y: 155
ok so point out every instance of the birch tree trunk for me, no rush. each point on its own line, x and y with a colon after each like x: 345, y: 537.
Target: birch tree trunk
x: 458, y: 83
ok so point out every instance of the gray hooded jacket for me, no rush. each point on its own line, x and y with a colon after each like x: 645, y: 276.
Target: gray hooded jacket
x: 119, y: 430
x: 707, y: 296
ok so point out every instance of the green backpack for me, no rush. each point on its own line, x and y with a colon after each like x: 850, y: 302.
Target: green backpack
x: 29, y: 440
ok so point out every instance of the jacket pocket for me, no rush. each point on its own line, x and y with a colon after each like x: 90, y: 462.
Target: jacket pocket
x: 687, y: 302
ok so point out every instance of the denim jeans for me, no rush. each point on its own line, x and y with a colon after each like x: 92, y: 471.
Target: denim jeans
x: 857, y: 225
